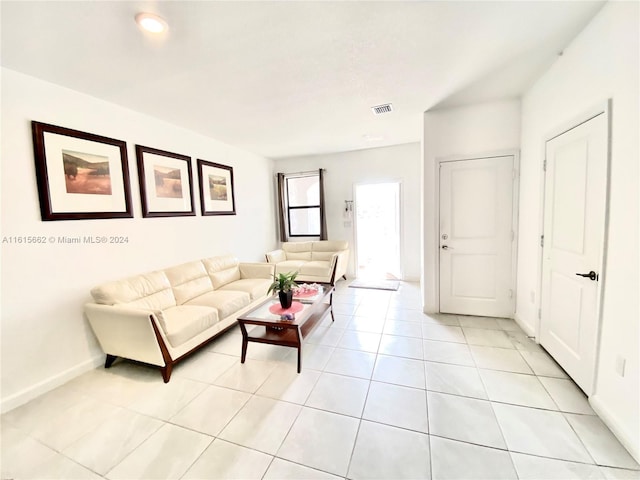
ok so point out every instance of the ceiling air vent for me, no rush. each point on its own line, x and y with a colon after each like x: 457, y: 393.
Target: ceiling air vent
x: 380, y: 109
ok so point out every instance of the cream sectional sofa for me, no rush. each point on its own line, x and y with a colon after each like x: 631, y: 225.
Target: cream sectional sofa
x: 160, y: 317
x: 321, y: 261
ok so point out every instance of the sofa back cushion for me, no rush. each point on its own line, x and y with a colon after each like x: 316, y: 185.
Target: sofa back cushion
x: 324, y: 249
x: 321, y: 256
x: 330, y: 245
x: 222, y: 270
x: 149, y: 291
x: 297, y: 250
x: 188, y: 281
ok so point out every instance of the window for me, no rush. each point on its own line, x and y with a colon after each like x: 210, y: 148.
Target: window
x: 303, y: 205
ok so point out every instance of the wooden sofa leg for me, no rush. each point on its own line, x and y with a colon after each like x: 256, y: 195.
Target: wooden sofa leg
x: 166, y: 372
x: 109, y: 361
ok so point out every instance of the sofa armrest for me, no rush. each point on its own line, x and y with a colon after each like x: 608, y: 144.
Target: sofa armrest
x: 341, y: 260
x: 126, y: 332
x: 257, y: 270
x: 276, y: 256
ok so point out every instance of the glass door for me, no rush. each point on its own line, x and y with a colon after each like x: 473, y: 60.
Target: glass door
x: 377, y: 226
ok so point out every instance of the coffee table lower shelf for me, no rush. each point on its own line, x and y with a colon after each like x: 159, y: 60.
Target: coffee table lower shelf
x: 283, y: 333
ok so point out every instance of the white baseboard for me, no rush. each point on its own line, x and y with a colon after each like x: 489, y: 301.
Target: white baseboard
x: 48, y: 384
x: 617, y: 427
x: 526, y: 328
x: 411, y: 279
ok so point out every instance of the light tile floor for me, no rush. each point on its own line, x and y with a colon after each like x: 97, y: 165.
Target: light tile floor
x: 385, y: 392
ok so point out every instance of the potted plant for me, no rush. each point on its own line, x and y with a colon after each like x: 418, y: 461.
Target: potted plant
x: 283, y: 283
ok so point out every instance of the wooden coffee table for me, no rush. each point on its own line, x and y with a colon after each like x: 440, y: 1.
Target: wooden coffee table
x: 287, y: 333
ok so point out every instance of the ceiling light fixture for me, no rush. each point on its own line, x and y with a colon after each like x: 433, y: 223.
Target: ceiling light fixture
x: 151, y: 23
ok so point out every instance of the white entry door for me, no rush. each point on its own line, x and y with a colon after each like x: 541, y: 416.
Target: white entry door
x: 574, y: 219
x: 476, y: 237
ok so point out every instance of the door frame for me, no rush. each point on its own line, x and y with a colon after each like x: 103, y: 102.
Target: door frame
x: 602, y: 108
x: 515, y: 196
x: 400, y: 222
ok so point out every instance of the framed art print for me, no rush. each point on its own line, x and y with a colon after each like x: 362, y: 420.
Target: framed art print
x: 166, y: 185
x: 80, y: 175
x: 217, y: 196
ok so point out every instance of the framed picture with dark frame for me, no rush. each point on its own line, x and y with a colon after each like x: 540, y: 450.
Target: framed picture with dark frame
x: 217, y: 193
x: 166, y: 184
x: 80, y: 175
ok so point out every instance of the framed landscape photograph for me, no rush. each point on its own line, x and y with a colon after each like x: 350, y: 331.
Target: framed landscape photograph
x: 80, y: 175
x: 216, y: 188
x: 166, y: 185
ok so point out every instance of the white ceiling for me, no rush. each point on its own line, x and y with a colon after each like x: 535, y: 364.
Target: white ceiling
x: 292, y: 78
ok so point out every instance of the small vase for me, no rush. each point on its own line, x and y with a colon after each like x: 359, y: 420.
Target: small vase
x: 286, y: 299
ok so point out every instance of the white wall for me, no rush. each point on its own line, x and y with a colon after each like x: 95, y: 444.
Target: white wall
x: 343, y: 170
x: 601, y: 63
x: 459, y: 132
x: 45, y: 339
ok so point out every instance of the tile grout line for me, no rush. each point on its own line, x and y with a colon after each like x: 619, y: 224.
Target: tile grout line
x: 584, y: 445
x: 355, y: 440
x: 197, y: 458
x: 507, y: 450
x: 495, y: 416
x: 426, y: 399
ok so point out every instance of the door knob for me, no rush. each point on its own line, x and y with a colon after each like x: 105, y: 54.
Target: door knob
x: 445, y: 247
x: 591, y: 275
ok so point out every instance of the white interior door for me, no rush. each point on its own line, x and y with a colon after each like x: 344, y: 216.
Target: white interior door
x: 476, y: 237
x: 574, y: 219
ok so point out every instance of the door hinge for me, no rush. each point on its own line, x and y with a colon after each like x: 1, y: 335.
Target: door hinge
x: 510, y: 293
x: 513, y: 235
x: 539, y: 313
x: 544, y: 165
x: 542, y: 240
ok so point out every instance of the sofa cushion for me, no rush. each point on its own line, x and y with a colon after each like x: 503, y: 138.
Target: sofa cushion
x: 149, y: 291
x: 317, y: 269
x: 306, y: 256
x: 222, y: 270
x: 322, y: 256
x: 224, y: 277
x: 297, y: 250
x: 324, y: 249
x: 188, y: 280
x: 256, y: 270
x: 183, y: 322
x: 296, y: 246
x: 289, y: 266
x: 255, y: 287
x: 226, y: 302
x: 329, y: 246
